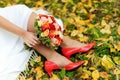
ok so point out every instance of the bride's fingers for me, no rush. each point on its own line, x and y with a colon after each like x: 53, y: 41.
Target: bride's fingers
x: 29, y: 44
x: 36, y: 39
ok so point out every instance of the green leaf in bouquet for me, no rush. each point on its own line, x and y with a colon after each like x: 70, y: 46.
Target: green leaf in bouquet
x: 26, y: 47
x: 45, y: 40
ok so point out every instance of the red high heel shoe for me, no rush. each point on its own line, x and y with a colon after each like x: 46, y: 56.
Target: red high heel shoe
x: 50, y: 66
x: 67, y: 52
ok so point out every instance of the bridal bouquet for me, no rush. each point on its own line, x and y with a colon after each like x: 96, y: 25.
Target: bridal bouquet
x: 48, y: 31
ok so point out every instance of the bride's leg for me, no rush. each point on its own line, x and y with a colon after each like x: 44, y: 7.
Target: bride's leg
x: 67, y: 43
x: 52, y: 55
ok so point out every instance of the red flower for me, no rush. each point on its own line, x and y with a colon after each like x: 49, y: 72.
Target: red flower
x: 59, y: 29
x: 45, y: 26
x: 52, y: 33
x: 52, y: 27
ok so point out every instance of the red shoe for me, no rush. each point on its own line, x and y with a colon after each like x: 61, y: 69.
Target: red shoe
x: 74, y: 65
x: 67, y: 52
x: 50, y: 66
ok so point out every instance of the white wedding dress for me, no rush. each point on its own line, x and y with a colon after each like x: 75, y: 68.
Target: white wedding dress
x: 13, y: 56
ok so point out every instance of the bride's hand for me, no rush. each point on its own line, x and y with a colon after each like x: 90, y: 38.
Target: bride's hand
x: 30, y: 39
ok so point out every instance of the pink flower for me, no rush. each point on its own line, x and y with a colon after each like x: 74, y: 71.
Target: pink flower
x: 56, y: 41
x: 44, y: 19
x: 56, y: 25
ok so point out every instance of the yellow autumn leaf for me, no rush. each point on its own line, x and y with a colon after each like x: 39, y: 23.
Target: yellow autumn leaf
x: 84, y: 11
x: 74, y: 32
x: 83, y: 39
x: 112, y: 49
x: 102, y: 39
x: 21, y: 77
x: 80, y: 4
x: 81, y: 22
x: 38, y: 59
x: 103, y: 23
x: 95, y: 75
x: 39, y: 73
x: 39, y: 3
x: 87, y: 21
x: 89, y: 3
x: 92, y: 16
x: 107, y: 62
x: 104, y: 75
x: 66, y: 78
x: 76, y: 21
x: 92, y: 68
x: 27, y: 1
x: 118, y: 30
x: 31, y: 78
x: 103, y: 31
x: 90, y: 54
x: 80, y: 69
x: 108, y: 17
x: 115, y: 10
x: 107, y: 29
x: 54, y: 77
x: 81, y: 30
x: 116, y: 71
x: 103, y: 0
x: 112, y: 24
x: 65, y: 1
x: 117, y: 46
x: 83, y: 0
x: 84, y: 75
x: 117, y: 60
x: 85, y: 63
x: 71, y: 20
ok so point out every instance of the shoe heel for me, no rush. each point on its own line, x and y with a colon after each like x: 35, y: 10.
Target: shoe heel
x: 50, y: 66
